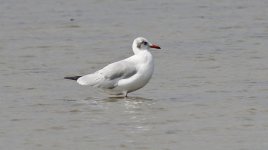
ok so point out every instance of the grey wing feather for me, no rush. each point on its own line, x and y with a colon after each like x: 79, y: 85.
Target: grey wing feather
x: 109, y: 75
x: 119, y: 70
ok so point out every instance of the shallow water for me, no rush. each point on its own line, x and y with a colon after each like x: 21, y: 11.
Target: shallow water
x: 209, y: 90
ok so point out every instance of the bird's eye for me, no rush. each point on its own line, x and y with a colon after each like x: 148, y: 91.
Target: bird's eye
x: 145, y: 43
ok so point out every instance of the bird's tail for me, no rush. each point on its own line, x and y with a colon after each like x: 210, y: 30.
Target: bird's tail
x: 73, y: 77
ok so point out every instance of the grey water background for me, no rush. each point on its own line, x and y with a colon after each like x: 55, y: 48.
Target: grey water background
x: 209, y: 90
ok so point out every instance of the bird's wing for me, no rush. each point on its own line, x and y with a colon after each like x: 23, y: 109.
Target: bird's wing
x: 109, y: 75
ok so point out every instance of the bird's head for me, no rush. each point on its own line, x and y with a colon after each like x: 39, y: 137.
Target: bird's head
x: 140, y: 44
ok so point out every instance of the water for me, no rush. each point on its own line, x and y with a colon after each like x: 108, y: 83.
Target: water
x: 209, y: 90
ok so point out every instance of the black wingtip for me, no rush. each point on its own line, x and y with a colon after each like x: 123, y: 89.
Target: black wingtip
x: 73, y: 77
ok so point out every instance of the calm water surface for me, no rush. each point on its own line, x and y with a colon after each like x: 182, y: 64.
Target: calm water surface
x: 209, y: 90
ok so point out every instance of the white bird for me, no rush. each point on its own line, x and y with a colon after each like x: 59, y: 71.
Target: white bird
x: 125, y: 76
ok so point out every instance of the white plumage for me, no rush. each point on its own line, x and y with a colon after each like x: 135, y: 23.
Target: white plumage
x: 125, y: 76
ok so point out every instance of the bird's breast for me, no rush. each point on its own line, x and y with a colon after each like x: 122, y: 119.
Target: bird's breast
x: 145, y: 68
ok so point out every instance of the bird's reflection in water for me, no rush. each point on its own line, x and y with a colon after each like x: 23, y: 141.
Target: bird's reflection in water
x: 133, y: 113
x: 128, y: 102
x: 133, y: 99
x: 138, y: 111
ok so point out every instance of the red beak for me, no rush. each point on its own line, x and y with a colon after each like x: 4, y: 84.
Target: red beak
x: 155, y: 46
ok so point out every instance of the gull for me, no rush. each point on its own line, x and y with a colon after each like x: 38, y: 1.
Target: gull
x: 125, y: 76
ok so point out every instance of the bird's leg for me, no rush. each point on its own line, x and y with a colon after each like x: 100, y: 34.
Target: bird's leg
x: 125, y: 94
